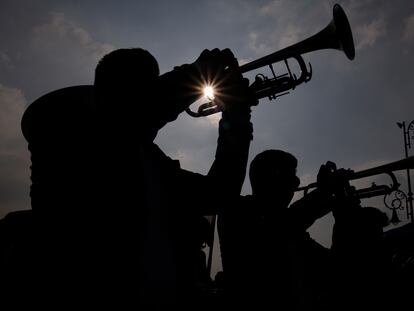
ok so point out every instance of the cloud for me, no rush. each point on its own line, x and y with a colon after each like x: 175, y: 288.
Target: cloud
x: 287, y: 24
x: 368, y: 34
x: 408, y: 33
x: 272, y: 8
x: 4, y: 58
x: 12, y: 107
x: 243, y: 61
x: 186, y: 158
x: 291, y: 35
x: 14, y: 157
x: 255, y: 45
x: 61, y: 33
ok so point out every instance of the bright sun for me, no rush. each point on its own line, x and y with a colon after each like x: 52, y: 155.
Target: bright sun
x: 209, y: 92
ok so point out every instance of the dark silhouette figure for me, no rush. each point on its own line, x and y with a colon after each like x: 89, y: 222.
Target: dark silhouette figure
x: 360, y: 265
x: 116, y: 219
x: 60, y: 130
x: 203, y: 281
x: 16, y: 247
x: 399, y: 246
x: 268, y: 257
x: 158, y: 204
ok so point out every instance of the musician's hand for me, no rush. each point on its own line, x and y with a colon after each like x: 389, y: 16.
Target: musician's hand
x: 184, y: 85
x: 212, y: 65
x: 334, y: 182
x: 326, y: 177
x: 220, y: 69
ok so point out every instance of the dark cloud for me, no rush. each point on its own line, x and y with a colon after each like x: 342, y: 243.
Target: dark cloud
x: 14, y: 158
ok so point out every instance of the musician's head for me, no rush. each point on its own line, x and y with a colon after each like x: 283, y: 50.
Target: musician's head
x: 125, y: 83
x: 273, y: 176
x: 126, y: 70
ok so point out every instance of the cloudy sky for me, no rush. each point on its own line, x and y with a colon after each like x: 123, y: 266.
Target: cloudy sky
x: 347, y: 113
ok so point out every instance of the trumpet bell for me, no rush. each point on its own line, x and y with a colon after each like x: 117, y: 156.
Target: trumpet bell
x: 343, y: 30
x: 336, y: 35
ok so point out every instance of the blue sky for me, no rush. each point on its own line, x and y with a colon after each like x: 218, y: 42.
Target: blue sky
x: 347, y: 113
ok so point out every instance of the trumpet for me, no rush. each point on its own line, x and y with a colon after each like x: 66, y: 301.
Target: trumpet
x: 373, y: 190
x: 336, y: 35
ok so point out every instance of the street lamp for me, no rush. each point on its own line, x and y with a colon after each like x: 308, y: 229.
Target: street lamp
x: 407, y: 145
x: 398, y: 202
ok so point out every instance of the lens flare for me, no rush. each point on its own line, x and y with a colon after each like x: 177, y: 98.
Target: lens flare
x: 209, y: 92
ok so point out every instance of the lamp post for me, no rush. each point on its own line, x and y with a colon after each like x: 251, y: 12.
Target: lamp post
x: 407, y: 145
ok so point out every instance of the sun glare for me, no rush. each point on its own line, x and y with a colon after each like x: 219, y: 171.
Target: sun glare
x: 209, y: 92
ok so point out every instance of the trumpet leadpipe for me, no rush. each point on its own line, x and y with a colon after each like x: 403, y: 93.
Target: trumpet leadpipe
x: 389, y: 168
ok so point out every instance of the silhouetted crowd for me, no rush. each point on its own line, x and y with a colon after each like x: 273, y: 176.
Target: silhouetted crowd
x: 115, y: 222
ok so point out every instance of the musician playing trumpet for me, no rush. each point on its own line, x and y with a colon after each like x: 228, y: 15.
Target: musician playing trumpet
x: 268, y: 257
x: 117, y: 215
x: 158, y: 202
